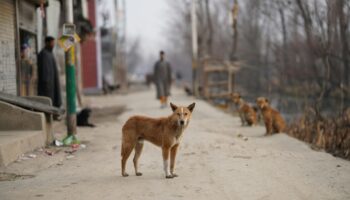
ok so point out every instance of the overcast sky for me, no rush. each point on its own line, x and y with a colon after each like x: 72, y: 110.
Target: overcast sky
x: 146, y: 20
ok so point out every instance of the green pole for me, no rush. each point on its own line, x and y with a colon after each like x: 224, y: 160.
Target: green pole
x: 70, y: 84
x: 71, y: 98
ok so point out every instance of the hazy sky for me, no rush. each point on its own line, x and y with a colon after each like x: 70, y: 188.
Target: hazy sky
x: 146, y: 20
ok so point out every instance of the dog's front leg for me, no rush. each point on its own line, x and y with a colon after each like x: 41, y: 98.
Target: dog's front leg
x: 242, y: 118
x: 268, y: 125
x: 166, y: 151
x: 173, y: 152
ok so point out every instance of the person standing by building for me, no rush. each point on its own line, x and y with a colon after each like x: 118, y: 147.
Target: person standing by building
x: 48, y: 77
x: 26, y: 71
x: 162, y: 79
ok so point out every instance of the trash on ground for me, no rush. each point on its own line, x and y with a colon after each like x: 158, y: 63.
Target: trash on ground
x: 71, y: 151
x: 32, y: 156
x: 70, y: 139
x: 75, y: 146
x: 48, y: 152
x: 22, y: 157
x: 70, y: 157
x: 58, y: 143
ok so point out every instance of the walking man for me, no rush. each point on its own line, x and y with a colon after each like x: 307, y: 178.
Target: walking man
x: 48, y: 77
x: 162, y: 79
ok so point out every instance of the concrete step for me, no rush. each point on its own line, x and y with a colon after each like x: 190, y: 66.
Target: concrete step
x: 15, y: 143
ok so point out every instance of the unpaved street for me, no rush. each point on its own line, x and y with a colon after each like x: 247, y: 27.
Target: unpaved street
x: 213, y: 162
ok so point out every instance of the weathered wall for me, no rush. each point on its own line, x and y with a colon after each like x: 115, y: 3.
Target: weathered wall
x: 7, y: 47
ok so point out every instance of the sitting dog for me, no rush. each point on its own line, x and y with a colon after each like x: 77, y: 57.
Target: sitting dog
x: 83, y: 118
x: 273, y: 120
x: 165, y: 132
x: 246, y: 112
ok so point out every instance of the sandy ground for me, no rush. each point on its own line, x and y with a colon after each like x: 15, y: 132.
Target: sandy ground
x: 213, y: 162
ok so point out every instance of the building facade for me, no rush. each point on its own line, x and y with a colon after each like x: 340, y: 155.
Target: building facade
x: 8, y: 64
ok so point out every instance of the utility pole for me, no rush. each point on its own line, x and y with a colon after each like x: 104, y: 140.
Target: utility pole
x: 235, y: 31
x: 70, y: 82
x: 194, y: 47
x: 116, y: 39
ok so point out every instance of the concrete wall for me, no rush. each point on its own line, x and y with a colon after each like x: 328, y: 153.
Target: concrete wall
x: 23, y: 130
x: 16, y: 118
x: 8, y: 82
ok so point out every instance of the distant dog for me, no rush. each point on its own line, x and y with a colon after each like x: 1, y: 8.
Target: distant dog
x: 83, y: 118
x: 165, y: 132
x: 246, y: 112
x: 274, y: 121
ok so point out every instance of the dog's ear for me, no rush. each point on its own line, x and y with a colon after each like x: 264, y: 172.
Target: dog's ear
x: 191, y: 107
x: 173, y: 106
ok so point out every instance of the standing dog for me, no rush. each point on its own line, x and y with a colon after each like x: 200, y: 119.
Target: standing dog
x: 274, y: 121
x: 246, y: 112
x: 164, y: 132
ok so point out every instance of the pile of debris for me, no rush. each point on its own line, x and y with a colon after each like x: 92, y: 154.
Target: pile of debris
x: 55, y: 149
x: 329, y: 133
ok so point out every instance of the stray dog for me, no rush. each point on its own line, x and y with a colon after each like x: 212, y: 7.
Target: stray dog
x: 83, y: 118
x: 246, y: 112
x: 274, y: 121
x: 165, y: 132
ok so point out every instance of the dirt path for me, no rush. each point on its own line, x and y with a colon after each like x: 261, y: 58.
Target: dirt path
x: 213, y: 163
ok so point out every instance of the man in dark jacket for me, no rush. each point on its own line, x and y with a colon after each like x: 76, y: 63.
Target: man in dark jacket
x: 162, y: 79
x: 48, y: 77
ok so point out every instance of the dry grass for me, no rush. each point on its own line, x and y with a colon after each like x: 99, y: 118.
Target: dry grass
x: 329, y: 133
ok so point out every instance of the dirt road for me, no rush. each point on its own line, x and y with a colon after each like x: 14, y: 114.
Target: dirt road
x: 213, y: 163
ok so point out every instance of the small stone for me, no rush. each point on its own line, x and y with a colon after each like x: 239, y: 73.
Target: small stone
x: 24, y: 158
x: 32, y: 156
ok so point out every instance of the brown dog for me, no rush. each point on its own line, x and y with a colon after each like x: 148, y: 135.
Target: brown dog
x: 164, y: 132
x: 274, y: 122
x: 246, y: 112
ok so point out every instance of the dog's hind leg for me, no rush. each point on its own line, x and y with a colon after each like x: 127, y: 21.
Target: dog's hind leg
x: 126, y: 151
x: 138, y: 151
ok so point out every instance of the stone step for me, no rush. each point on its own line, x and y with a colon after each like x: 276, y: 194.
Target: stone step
x: 15, y: 143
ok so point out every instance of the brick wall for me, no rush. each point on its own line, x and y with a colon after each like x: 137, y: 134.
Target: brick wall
x: 7, y: 47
